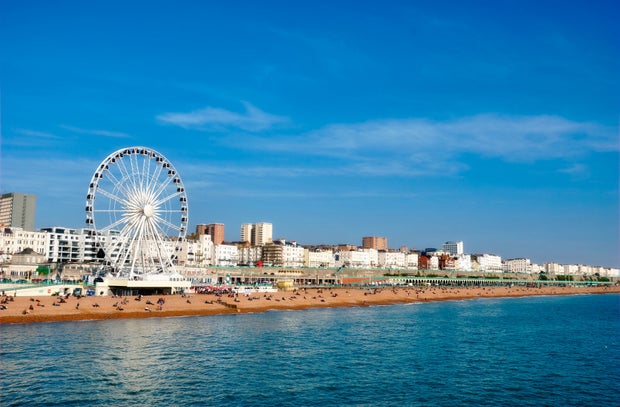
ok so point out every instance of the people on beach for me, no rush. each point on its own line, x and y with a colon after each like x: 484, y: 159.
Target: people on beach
x: 214, y: 302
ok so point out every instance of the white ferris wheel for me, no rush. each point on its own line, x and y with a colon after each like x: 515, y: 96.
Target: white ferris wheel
x: 136, y: 206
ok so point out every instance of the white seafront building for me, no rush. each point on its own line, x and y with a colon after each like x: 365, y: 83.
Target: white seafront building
x: 387, y: 259
x: 365, y: 258
x: 463, y: 262
x: 412, y: 261
x: 14, y: 240
x: 77, y: 250
x: 293, y: 255
x: 319, y: 259
x: 226, y: 255
x: 489, y: 263
x: 250, y: 255
x: 519, y: 265
x: 453, y: 248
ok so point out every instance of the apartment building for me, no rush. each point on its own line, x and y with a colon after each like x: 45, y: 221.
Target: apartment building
x: 453, y: 248
x: 257, y: 234
x: 15, y: 240
x: 17, y: 210
x: 374, y: 242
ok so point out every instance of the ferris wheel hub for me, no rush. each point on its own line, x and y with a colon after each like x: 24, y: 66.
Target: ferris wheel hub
x: 148, y: 210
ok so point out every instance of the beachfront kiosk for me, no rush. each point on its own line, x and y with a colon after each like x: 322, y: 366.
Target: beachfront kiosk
x: 150, y: 285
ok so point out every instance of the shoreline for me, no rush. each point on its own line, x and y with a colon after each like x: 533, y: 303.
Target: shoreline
x: 54, y: 309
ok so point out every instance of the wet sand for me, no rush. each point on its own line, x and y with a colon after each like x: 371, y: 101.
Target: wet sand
x: 42, y: 309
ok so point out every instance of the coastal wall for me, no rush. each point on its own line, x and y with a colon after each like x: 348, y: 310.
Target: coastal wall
x: 21, y: 290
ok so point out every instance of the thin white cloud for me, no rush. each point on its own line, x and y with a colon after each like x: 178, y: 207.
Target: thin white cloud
x: 35, y: 133
x: 511, y: 137
x: 93, y: 132
x: 212, y: 118
x: 421, y: 146
x: 575, y: 169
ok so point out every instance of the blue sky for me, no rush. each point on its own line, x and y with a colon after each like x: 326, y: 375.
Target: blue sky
x: 491, y: 122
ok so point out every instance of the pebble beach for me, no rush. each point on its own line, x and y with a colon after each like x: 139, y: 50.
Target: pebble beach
x: 55, y: 309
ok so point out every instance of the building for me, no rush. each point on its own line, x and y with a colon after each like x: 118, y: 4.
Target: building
x: 225, y: 255
x: 67, y: 245
x: 246, y: 232
x: 201, y: 229
x: 263, y: 233
x: 319, y: 258
x: 17, y: 210
x: 374, y: 242
x: 388, y: 259
x: 489, y: 263
x: 257, y: 234
x: 412, y: 260
x: 453, y: 248
x: 293, y: 255
x: 553, y: 268
x: 365, y: 258
x: 519, y: 265
x: 463, y: 262
x: 26, y: 265
x: 272, y: 254
x: 15, y: 240
x: 250, y: 255
x: 216, y: 231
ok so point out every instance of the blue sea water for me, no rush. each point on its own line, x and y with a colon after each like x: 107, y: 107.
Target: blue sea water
x: 536, y: 351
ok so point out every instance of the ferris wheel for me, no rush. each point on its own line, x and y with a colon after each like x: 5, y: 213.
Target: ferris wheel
x: 136, y: 206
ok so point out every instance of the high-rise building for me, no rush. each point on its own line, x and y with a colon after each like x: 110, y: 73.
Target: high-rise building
x: 246, y: 232
x: 201, y: 229
x: 258, y: 234
x: 216, y: 231
x: 453, y: 248
x: 17, y: 210
x: 263, y: 233
x: 374, y: 242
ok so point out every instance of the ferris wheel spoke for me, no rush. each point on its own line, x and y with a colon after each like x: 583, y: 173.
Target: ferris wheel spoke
x: 127, y: 174
x: 138, y: 256
x: 113, y: 225
x: 167, y: 198
x: 122, y: 169
x: 117, y: 183
x: 142, y: 175
x: 169, y: 224
x: 162, y: 248
x: 113, y: 197
x: 146, y: 169
x: 162, y: 187
x: 120, y: 254
x: 156, y: 249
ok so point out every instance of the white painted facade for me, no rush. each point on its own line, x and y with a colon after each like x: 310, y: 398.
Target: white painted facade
x: 553, y: 268
x: 250, y: 255
x: 571, y: 269
x: 292, y: 256
x: 412, y: 260
x: 15, y: 240
x: 490, y: 263
x: 391, y: 259
x: 463, y: 262
x: 357, y: 258
x: 226, y: 255
x: 520, y: 265
x: 433, y: 263
x: 316, y: 259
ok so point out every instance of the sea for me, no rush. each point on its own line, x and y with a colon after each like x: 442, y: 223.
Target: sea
x: 528, y: 351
